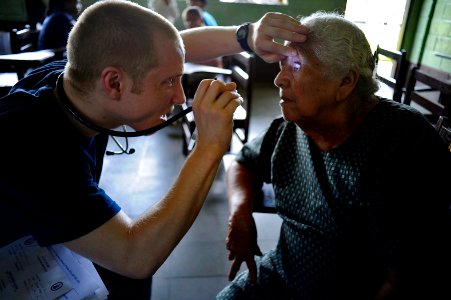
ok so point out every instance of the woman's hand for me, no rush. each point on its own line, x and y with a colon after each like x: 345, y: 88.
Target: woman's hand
x: 241, y: 242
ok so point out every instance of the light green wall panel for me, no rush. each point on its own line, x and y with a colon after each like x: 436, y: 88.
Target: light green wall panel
x: 420, y: 33
x: 237, y: 13
x: 433, y: 36
x: 439, y: 38
x: 13, y: 10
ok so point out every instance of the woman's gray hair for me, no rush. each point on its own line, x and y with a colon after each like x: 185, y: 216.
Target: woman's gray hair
x: 340, y: 46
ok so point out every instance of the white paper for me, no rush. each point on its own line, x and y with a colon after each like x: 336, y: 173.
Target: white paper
x: 87, y: 283
x: 31, y: 272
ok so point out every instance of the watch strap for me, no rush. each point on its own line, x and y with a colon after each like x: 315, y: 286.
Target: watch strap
x: 242, y: 38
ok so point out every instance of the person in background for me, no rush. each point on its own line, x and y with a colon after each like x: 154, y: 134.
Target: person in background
x: 209, y: 20
x: 167, y: 8
x: 113, y: 78
x: 36, y: 10
x: 60, y: 17
x: 361, y: 184
x: 192, y: 18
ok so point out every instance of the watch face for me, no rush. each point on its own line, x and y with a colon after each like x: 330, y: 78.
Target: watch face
x: 241, y: 33
x: 241, y: 36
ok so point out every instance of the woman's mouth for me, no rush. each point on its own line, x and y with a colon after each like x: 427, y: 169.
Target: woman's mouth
x: 284, y: 99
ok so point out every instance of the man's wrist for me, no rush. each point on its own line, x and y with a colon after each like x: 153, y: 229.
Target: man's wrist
x: 242, y: 33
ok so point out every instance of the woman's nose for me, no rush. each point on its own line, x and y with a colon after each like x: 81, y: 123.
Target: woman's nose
x: 278, y: 81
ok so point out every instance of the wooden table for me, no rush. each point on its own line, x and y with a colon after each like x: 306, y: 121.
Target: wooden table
x: 191, y: 68
x: 21, y: 62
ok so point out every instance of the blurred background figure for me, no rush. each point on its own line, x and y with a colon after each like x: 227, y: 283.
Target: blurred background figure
x: 60, y: 18
x: 192, y: 17
x: 166, y: 8
x: 36, y: 10
x: 209, y: 20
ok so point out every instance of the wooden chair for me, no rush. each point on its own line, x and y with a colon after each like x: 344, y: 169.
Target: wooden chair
x: 243, y: 73
x: 443, y: 127
x: 193, y: 75
x: 24, y: 40
x: 20, y: 40
x: 433, y: 101
x: 398, y: 72
x: 238, y: 68
x: 23, y: 56
x: 242, y: 66
x: 265, y: 201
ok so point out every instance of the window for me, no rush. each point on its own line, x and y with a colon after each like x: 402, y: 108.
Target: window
x: 382, y: 21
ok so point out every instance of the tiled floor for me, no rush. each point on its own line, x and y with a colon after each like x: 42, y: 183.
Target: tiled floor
x: 197, y: 268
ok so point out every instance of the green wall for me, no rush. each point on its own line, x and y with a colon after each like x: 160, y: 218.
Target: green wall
x: 225, y: 13
x: 234, y: 14
x: 438, y: 37
x: 13, y: 10
x: 237, y: 13
x: 428, y: 34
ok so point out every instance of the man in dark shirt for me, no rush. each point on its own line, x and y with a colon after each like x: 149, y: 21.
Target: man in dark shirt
x: 124, y: 67
x: 60, y: 18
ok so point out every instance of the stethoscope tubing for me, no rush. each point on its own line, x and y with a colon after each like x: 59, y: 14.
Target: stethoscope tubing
x: 68, y: 106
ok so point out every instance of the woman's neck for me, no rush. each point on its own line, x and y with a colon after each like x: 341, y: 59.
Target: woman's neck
x: 335, y: 133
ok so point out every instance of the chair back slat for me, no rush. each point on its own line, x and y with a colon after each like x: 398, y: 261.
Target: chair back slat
x: 443, y: 128
x: 435, y: 101
x: 192, y: 76
x: 397, y: 77
x: 243, y: 74
x: 23, y: 40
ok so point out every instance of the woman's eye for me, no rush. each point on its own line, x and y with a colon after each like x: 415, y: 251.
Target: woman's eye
x: 296, y: 67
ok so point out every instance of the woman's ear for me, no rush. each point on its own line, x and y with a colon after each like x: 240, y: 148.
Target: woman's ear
x: 348, y: 84
x: 112, y: 82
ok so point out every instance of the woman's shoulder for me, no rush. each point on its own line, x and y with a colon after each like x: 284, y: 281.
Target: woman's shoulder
x: 397, y: 122
x: 389, y: 111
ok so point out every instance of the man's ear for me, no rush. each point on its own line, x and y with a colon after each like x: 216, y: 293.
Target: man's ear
x: 348, y: 84
x: 112, y: 82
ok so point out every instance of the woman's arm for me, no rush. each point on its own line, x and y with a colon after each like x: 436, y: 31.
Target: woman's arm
x: 241, y: 240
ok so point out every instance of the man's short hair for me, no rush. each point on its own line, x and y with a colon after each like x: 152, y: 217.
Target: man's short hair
x: 115, y: 33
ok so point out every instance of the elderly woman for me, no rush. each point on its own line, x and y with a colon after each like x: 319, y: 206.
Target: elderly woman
x: 365, y: 211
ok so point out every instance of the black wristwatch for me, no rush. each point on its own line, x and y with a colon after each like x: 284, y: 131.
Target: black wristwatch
x: 241, y: 36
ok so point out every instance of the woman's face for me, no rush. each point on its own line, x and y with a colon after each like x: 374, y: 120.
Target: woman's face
x: 307, y: 96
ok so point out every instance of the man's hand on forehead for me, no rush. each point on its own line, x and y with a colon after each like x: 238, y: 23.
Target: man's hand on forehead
x: 272, y: 27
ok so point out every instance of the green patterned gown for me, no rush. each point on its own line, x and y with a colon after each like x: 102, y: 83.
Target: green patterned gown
x: 375, y: 201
